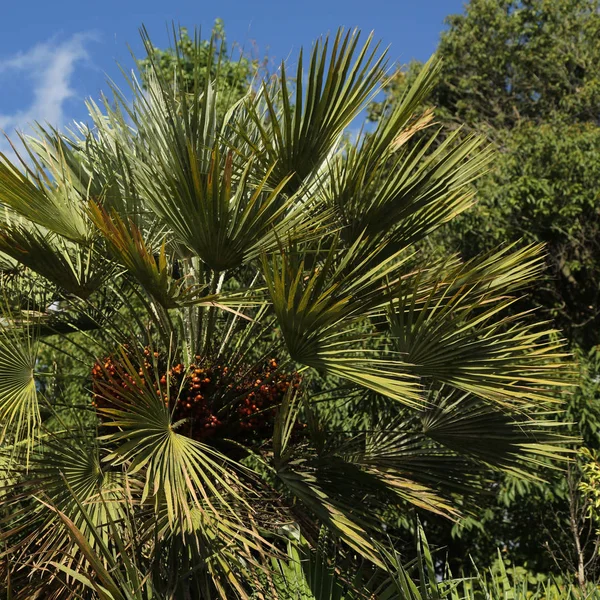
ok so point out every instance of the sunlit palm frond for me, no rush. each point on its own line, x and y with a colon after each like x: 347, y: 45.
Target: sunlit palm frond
x: 409, y: 198
x: 19, y: 407
x: 180, y: 473
x: 296, y: 127
x: 55, y: 199
x: 498, y: 438
x: 77, y: 270
x: 151, y: 269
x: 318, y: 306
x: 458, y: 331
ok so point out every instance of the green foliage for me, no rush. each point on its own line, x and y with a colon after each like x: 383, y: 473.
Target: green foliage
x: 306, y: 574
x: 19, y: 405
x: 508, y: 61
x: 590, y: 484
x: 512, y: 61
x: 527, y: 75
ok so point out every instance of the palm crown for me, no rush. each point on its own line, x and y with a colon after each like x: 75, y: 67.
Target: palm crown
x: 217, y: 333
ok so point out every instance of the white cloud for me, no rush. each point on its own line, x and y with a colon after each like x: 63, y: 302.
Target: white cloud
x: 47, y: 70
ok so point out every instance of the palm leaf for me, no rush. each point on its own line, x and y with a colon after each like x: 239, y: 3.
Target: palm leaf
x: 19, y: 409
x: 458, y: 330
x: 55, y: 201
x: 150, y: 269
x: 318, y: 306
x: 180, y: 473
x: 486, y: 433
x: 75, y: 269
x: 296, y: 129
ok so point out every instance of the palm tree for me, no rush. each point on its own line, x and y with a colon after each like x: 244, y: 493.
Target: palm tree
x: 217, y: 336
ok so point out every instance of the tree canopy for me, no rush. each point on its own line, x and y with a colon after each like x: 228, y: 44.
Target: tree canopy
x: 509, y: 61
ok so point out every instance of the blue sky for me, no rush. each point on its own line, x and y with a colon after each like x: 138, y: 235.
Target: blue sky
x: 54, y: 54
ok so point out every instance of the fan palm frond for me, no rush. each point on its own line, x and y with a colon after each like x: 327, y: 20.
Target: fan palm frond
x: 54, y: 200
x: 19, y: 404
x: 75, y: 269
x: 296, y: 129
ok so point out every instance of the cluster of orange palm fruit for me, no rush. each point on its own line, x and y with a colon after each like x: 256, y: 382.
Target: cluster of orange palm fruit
x: 207, y: 397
